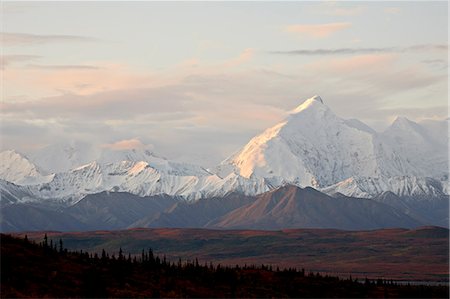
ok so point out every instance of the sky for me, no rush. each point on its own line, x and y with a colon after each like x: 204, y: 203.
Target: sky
x: 194, y: 81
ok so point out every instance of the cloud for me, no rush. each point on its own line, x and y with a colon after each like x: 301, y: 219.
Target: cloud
x: 360, y: 62
x: 351, y: 51
x: 97, y: 77
x: 435, y: 112
x: 25, y: 39
x: 436, y: 62
x: 133, y: 143
x: 117, y: 104
x: 380, y: 75
x: 433, y: 61
x: 200, y: 105
x: 62, y: 67
x: 6, y: 60
x: 392, y: 10
x: 244, y: 57
x: 317, y: 30
x: 47, y: 80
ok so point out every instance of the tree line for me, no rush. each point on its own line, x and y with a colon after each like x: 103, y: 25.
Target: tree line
x: 47, y: 268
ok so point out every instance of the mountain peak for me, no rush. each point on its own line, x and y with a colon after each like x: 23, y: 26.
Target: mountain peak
x: 317, y: 98
x: 314, y: 101
x: 404, y: 123
x: 401, y: 119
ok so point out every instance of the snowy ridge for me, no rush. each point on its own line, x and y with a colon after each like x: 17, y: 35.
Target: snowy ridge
x: 12, y: 193
x: 403, y: 186
x: 420, y: 144
x: 63, y: 157
x: 139, y: 178
x: 16, y: 168
x: 314, y: 147
x: 311, y: 147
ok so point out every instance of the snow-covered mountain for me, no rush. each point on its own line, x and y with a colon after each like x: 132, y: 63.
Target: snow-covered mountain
x: 134, y: 170
x: 314, y: 147
x: 140, y: 178
x: 424, y: 146
x: 63, y: 157
x: 17, y: 168
x: 11, y: 193
x: 404, y: 186
x: 311, y: 147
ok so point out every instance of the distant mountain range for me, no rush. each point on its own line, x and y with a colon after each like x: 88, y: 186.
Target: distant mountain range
x: 285, y: 207
x: 361, y: 179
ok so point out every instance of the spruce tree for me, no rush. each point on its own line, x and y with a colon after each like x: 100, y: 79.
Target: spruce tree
x: 45, y: 241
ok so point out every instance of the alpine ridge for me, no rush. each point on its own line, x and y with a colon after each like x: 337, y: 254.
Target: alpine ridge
x: 312, y: 147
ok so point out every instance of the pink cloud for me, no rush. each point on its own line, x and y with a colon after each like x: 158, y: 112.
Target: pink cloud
x: 243, y: 57
x: 317, y: 30
x: 24, y: 39
x: 82, y: 81
x: 354, y: 63
x: 363, y: 62
x: 126, y: 144
x: 97, y: 77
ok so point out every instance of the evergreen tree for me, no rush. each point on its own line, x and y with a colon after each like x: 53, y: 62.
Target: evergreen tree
x: 151, y: 256
x: 45, y: 241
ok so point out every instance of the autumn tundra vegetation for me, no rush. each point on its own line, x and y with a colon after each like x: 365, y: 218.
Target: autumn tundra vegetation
x: 47, y: 269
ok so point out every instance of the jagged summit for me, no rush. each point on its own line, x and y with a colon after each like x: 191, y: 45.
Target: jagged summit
x: 315, y: 147
x: 402, y: 121
x: 314, y: 101
x: 317, y: 98
x: 17, y: 168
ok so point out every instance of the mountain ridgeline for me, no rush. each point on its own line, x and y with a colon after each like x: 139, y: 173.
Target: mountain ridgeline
x: 313, y: 169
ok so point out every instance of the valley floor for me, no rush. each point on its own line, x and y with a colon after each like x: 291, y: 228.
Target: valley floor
x: 46, y: 269
x: 420, y: 254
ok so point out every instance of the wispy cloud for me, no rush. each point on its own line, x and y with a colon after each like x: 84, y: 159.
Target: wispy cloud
x: 23, y: 39
x: 434, y: 61
x: 244, y: 57
x: 79, y: 79
x: 349, y: 51
x: 62, y: 67
x: 317, y: 30
x: 6, y: 60
x: 202, y: 110
x: 127, y: 144
x: 117, y: 104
